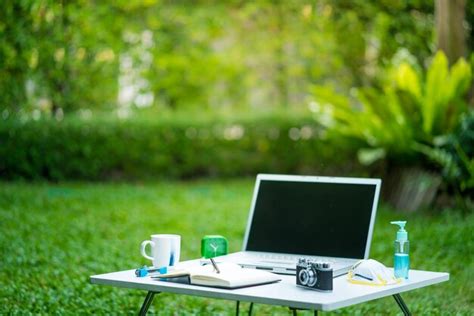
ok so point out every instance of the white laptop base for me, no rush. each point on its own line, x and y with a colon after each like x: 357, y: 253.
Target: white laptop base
x: 283, y: 263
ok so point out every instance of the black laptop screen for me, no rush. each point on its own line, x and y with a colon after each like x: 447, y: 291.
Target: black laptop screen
x: 312, y: 218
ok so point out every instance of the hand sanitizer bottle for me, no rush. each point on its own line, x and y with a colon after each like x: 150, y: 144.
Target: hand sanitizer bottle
x: 402, y: 247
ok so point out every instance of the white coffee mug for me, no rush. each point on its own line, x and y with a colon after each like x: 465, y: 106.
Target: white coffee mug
x: 165, y: 250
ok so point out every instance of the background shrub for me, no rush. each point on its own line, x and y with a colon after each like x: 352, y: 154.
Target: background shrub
x: 141, y: 148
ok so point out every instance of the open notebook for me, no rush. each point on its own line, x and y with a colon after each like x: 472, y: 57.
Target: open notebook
x: 231, y: 276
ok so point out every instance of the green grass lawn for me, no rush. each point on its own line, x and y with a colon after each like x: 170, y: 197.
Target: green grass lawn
x: 54, y: 236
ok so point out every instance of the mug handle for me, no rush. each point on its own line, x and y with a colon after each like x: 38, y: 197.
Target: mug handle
x: 143, y: 248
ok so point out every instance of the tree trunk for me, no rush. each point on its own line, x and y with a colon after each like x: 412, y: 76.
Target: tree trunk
x: 450, y: 32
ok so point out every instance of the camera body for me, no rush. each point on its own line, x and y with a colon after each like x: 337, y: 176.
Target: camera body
x: 314, y: 275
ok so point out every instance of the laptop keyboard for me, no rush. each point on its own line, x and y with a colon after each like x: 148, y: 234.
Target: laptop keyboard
x: 285, y: 258
x: 292, y: 259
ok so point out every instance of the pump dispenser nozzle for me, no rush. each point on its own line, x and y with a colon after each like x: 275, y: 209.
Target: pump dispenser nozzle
x: 402, y: 234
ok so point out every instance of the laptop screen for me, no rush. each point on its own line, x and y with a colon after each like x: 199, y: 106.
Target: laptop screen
x: 311, y: 218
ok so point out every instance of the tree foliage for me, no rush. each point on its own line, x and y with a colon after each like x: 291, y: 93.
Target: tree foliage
x: 62, y: 56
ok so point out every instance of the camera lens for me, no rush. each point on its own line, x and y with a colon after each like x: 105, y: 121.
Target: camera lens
x: 311, y: 278
x: 303, y: 276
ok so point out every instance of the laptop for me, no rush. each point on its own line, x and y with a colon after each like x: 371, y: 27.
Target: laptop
x: 327, y: 219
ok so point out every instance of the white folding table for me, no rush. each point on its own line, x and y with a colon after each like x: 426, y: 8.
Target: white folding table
x: 284, y: 293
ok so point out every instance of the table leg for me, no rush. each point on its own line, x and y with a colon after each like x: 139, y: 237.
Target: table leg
x: 147, y: 302
x: 402, y: 304
x: 237, y: 308
x: 295, y: 311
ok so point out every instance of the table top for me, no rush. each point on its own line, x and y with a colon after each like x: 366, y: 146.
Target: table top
x: 284, y: 293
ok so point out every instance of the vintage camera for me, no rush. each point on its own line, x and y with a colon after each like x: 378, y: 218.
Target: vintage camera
x: 314, y: 275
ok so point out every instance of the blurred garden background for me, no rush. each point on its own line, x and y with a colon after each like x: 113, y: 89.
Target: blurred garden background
x: 119, y: 119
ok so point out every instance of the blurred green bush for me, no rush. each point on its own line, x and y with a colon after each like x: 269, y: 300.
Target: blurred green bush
x: 101, y: 148
x: 455, y: 156
x: 406, y: 123
x: 412, y: 108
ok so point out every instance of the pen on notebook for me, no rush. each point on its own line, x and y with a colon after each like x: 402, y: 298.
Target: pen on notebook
x: 215, y: 265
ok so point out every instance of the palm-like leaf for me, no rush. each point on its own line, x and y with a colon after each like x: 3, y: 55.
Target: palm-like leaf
x: 407, y: 111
